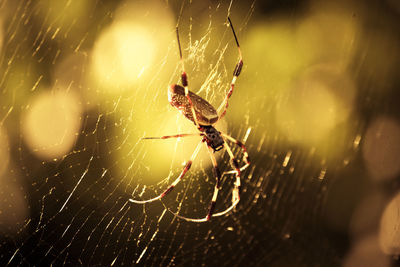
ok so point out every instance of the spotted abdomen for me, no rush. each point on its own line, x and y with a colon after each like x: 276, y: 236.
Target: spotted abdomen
x: 205, y: 112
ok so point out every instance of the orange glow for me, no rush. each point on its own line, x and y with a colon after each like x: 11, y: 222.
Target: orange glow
x: 51, y: 124
x: 381, y: 148
x: 366, y: 252
x: 367, y: 214
x: 389, y: 234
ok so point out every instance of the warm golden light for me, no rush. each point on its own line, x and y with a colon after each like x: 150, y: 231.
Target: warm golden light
x: 273, y: 53
x: 367, y: 214
x: 381, y: 148
x: 309, y: 115
x: 379, y: 67
x: 130, y: 51
x: 51, y: 124
x: 328, y: 35
x: 4, y: 150
x: 366, y: 252
x: 13, y: 204
x: 318, y: 100
x: 164, y: 156
x: 1, y: 35
x: 69, y: 72
x: 298, y: 76
x: 63, y: 12
x: 123, y: 54
x: 389, y: 233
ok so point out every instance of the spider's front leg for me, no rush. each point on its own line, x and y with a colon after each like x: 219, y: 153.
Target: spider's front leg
x: 238, y: 69
x: 185, y: 82
x: 173, y: 136
x: 177, y: 180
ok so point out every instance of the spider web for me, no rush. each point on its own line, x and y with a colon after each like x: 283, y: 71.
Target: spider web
x: 82, y: 81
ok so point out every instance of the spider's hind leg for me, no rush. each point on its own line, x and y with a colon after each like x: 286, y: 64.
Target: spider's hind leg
x: 217, y: 174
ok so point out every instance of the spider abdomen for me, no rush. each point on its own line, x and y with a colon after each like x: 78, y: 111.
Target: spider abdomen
x: 205, y: 112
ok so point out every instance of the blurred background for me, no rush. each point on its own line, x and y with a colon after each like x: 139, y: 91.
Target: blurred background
x: 316, y: 105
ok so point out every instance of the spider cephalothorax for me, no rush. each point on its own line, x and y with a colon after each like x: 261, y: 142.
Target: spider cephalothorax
x: 204, y: 116
x: 213, y: 138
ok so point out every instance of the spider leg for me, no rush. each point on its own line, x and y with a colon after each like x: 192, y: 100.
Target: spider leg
x: 177, y: 180
x: 217, y: 175
x: 246, y: 157
x: 173, y: 136
x: 235, y: 165
x: 185, y: 81
x: 224, y: 105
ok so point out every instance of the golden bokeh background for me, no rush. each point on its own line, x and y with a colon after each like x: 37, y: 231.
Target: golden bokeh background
x: 81, y: 82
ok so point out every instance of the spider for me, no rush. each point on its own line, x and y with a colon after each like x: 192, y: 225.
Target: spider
x: 204, y: 116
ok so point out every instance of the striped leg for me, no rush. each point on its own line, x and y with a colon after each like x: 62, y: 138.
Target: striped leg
x: 246, y: 157
x: 217, y: 175
x: 173, y: 136
x: 235, y: 165
x: 237, y: 171
x: 185, y: 81
x: 177, y: 180
x: 224, y: 105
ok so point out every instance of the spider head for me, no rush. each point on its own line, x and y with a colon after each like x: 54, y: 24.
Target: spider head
x: 213, y: 138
